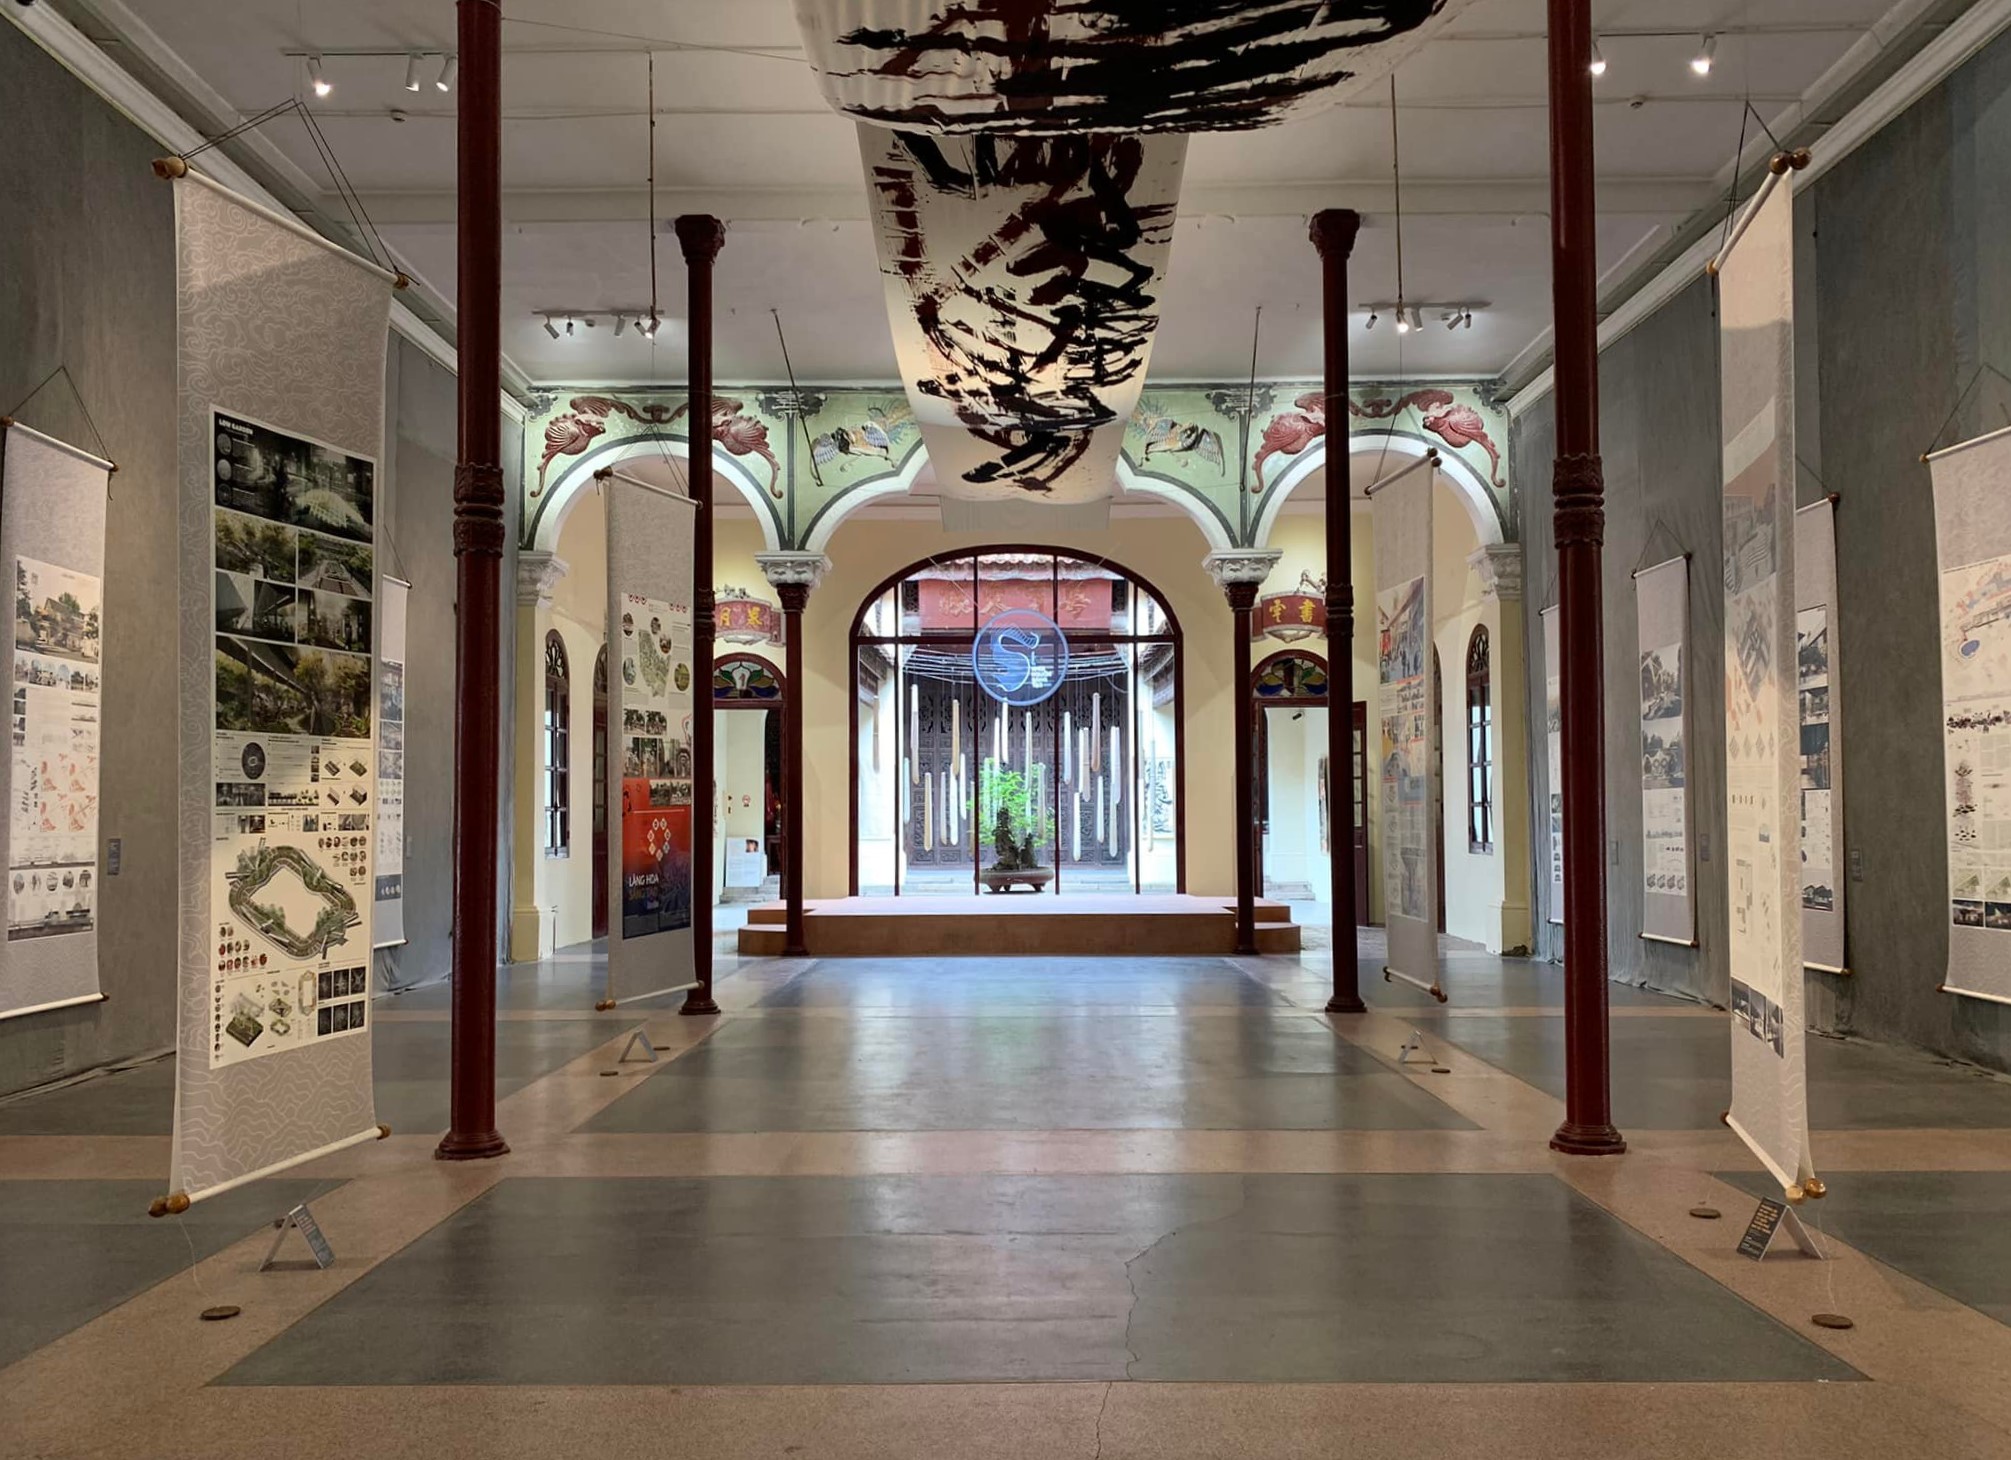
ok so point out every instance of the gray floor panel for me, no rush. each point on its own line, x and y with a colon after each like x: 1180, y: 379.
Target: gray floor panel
x: 72, y: 1250
x: 819, y: 1280
x: 929, y: 984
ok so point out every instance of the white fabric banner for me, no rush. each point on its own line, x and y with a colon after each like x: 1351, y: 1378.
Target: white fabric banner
x: 388, y: 919
x: 1662, y: 613
x: 1972, y: 529
x: 1553, y: 746
x: 1404, y: 623
x: 652, y: 685
x: 1762, y: 715
x: 1819, y: 687
x: 282, y: 349
x: 52, y: 539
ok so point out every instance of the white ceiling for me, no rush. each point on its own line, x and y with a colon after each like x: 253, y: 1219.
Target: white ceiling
x: 743, y: 132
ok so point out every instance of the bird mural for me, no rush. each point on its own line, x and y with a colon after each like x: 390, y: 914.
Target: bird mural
x: 1439, y: 412
x: 586, y: 419
x: 876, y: 436
x: 741, y: 435
x: 1165, y: 436
x: 1290, y: 432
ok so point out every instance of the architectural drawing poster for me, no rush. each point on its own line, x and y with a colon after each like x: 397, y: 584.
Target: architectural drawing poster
x: 1662, y: 613
x: 1819, y: 688
x: 1404, y: 763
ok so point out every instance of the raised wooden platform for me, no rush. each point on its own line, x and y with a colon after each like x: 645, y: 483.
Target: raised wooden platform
x: 1026, y: 923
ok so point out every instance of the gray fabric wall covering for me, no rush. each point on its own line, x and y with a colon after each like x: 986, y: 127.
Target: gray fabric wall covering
x: 75, y: 290
x: 1903, y: 299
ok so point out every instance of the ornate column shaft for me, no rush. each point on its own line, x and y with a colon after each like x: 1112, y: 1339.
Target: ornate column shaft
x: 792, y: 575
x: 1333, y: 233
x: 478, y: 571
x: 701, y: 236
x: 1239, y: 575
x: 1578, y: 496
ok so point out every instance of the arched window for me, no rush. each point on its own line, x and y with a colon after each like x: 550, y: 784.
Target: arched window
x: 1479, y: 744
x: 558, y: 747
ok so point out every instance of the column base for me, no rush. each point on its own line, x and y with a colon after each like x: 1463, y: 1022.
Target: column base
x: 1588, y: 1140
x: 1339, y: 1005
x: 699, y: 1001
x: 795, y: 950
x: 479, y: 1146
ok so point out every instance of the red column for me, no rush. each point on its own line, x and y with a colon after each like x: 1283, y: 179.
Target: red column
x: 1242, y: 603
x: 1333, y: 232
x: 701, y: 236
x: 478, y: 565
x: 795, y: 597
x: 1578, y: 494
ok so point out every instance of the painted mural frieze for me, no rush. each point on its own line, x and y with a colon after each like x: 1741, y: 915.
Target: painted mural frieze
x: 1025, y: 67
x: 1022, y: 281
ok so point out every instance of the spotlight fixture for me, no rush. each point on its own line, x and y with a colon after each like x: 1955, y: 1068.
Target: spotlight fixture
x: 412, y: 72
x: 620, y: 324
x: 1598, y: 58
x: 569, y: 328
x: 648, y: 326
x: 1373, y: 317
x: 318, y: 78
x: 1458, y: 317
x: 450, y: 68
x: 1701, y: 62
x: 550, y: 328
x: 1403, y: 321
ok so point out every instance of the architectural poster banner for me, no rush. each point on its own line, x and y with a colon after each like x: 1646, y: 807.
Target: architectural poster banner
x: 1819, y: 687
x: 649, y: 763
x: 388, y: 920
x: 1762, y: 711
x: 1403, y: 619
x: 1553, y: 742
x: 282, y: 346
x: 52, y: 539
x: 1972, y: 529
x: 1662, y: 610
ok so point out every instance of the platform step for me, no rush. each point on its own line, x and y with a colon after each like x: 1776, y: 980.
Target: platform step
x: 763, y: 939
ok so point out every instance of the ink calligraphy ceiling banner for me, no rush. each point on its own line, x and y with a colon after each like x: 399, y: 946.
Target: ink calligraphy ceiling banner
x: 1972, y: 529
x: 52, y: 542
x: 282, y: 347
x: 1762, y: 711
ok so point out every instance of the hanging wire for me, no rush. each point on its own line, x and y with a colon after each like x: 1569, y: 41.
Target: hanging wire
x: 658, y: 42
x: 358, y: 214
x: 68, y: 379
x: 670, y: 463
x: 801, y: 415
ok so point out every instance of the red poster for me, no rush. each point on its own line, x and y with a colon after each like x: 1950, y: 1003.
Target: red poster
x: 655, y: 856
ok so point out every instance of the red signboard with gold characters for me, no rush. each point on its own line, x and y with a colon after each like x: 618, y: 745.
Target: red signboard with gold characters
x: 737, y: 620
x: 1289, y: 616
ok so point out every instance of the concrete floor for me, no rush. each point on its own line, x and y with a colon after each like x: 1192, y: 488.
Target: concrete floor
x: 1178, y: 1207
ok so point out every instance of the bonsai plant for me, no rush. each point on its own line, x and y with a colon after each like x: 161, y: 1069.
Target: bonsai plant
x: 1004, y: 804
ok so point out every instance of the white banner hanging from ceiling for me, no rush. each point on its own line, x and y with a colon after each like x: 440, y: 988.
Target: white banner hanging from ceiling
x: 1972, y: 529
x: 652, y: 693
x: 1662, y: 613
x: 1818, y: 686
x: 1404, y: 622
x: 1762, y: 711
x: 388, y: 920
x: 1022, y: 280
x: 1553, y: 750
x: 282, y: 350
x: 52, y: 539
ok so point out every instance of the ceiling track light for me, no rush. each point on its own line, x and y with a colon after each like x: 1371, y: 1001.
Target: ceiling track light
x: 450, y: 71
x: 1373, y: 317
x: 620, y: 324
x: 569, y: 327
x: 1403, y: 320
x: 1706, y: 55
x: 318, y: 78
x: 1598, y: 58
x: 550, y: 328
x: 648, y: 326
x: 412, y: 72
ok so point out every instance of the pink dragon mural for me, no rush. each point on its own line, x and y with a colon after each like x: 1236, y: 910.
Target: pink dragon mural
x: 586, y: 418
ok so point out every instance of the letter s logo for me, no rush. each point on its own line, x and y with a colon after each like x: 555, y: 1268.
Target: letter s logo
x: 1013, y: 658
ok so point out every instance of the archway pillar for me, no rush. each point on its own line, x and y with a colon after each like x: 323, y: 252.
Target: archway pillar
x: 792, y: 576
x: 533, y: 919
x: 1239, y: 574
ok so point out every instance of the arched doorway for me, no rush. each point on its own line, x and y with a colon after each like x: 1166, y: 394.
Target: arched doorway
x: 1089, y: 780
x: 1295, y: 784
x: 747, y: 696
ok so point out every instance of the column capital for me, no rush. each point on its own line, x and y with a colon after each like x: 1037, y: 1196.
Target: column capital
x: 1333, y: 231
x: 1241, y: 566
x: 1500, y: 568
x: 793, y: 569
x: 700, y: 235
x: 538, y: 577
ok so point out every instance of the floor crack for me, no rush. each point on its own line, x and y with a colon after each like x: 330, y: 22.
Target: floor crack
x: 1131, y: 1313
x: 1100, y: 1408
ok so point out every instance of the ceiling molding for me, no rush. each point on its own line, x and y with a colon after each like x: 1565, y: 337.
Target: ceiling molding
x: 1920, y: 74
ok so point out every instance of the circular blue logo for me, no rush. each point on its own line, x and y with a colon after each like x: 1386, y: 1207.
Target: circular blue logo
x: 1020, y: 657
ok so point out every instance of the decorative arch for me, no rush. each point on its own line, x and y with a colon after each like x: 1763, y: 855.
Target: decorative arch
x: 744, y: 681
x: 549, y: 513
x: 828, y: 518
x: 1466, y: 483
x: 1214, y: 526
x: 1290, y: 677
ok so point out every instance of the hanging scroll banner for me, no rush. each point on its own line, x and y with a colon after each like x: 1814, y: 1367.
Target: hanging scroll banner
x: 1403, y: 620
x: 388, y: 921
x: 1762, y: 714
x: 1662, y: 611
x: 1972, y: 529
x: 282, y: 342
x: 652, y: 690
x: 1553, y: 742
x: 52, y: 540
x: 1818, y: 686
